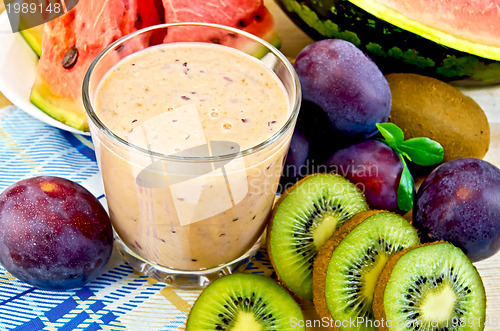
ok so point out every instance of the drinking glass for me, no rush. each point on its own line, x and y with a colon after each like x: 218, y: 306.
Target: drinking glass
x: 189, y: 217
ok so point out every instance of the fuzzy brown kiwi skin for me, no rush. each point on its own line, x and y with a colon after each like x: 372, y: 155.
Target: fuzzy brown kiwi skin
x: 322, y: 260
x: 385, y: 275
x: 426, y: 107
x: 270, y: 225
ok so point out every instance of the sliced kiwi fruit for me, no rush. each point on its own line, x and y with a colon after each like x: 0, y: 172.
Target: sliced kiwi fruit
x: 306, y: 215
x: 430, y: 287
x: 347, y: 267
x: 245, y: 302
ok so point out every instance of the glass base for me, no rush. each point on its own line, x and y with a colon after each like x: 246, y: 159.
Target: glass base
x: 186, y: 279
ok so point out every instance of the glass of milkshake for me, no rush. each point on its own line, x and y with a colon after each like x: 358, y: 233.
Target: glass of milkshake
x: 191, y: 124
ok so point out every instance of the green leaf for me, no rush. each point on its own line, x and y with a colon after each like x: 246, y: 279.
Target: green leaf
x: 392, y: 134
x: 423, y: 151
x: 405, y: 189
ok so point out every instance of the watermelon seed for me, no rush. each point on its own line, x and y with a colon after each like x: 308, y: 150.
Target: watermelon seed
x: 138, y: 22
x: 70, y: 57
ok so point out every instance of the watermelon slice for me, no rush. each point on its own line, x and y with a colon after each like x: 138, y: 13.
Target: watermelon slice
x: 77, y: 37
x: 248, y: 15
x: 472, y: 27
x: 72, y: 41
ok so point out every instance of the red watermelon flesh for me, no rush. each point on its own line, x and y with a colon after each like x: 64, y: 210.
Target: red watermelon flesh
x: 478, y: 19
x: 248, y: 15
x: 149, y: 12
x: 93, y: 36
x: 210, y: 11
x: 90, y: 27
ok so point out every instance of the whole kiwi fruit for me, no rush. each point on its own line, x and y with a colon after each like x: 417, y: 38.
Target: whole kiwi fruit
x: 427, y: 107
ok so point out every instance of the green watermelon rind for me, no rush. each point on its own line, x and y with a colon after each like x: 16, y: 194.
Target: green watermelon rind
x: 273, y: 38
x: 68, y: 112
x: 258, y: 51
x: 440, y: 37
x: 385, y: 42
x: 33, y: 39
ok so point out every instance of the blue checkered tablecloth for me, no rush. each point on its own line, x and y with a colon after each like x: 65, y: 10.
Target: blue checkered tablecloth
x: 120, y: 298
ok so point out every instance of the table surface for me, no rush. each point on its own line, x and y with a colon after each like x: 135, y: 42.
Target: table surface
x: 293, y: 40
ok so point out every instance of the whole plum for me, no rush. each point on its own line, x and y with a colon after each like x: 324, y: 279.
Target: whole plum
x: 459, y: 202
x: 54, y: 233
x: 346, y: 84
x: 374, y: 168
x: 315, y: 125
x: 297, y: 155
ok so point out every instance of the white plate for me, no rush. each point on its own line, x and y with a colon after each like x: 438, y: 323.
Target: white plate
x: 17, y: 73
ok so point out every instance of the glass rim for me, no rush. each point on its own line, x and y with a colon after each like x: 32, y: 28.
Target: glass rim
x: 294, y: 106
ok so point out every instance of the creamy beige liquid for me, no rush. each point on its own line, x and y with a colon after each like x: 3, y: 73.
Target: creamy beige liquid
x: 191, y: 99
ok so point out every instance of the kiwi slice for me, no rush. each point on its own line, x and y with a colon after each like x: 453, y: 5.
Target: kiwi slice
x: 306, y: 215
x: 348, y: 265
x: 430, y: 287
x: 245, y: 302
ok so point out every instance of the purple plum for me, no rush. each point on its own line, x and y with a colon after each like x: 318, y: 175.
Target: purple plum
x: 459, y: 202
x: 54, y: 233
x: 346, y: 84
x: 374, y: 168
x: 297, y: 155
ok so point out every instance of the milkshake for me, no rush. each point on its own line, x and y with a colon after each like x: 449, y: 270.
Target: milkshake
x: 200, y: 133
